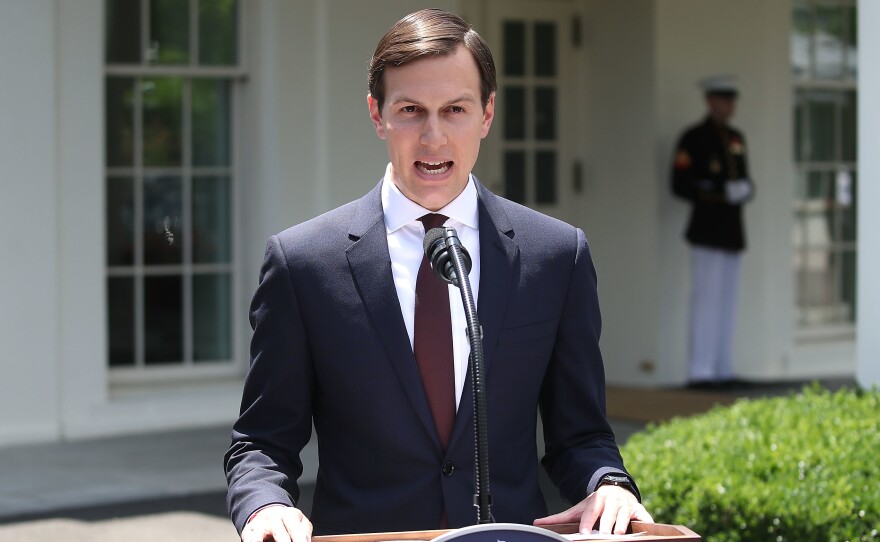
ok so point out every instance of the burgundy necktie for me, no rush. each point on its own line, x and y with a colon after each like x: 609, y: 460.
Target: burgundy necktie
x: 432, y: 341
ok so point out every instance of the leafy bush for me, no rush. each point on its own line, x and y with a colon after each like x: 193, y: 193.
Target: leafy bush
x: 799, y: 468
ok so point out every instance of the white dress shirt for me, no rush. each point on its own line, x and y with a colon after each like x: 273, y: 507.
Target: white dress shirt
x: 405, y: 237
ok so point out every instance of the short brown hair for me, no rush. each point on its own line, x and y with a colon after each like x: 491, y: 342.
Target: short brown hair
x: 429, y: 32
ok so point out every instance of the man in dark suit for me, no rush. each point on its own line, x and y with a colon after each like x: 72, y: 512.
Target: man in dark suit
x: 346, y: 333
x: 711, y: 172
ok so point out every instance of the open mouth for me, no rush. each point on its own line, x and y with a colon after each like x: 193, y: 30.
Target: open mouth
x: 433, y: 168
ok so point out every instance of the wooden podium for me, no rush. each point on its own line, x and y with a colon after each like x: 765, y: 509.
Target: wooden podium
x: 646, y: 531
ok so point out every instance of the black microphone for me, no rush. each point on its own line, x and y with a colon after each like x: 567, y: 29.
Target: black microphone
x: 437, y: 249
x: 449, y: 259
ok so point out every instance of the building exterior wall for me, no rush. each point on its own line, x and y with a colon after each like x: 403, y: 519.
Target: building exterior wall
x: 304, y: 145
x: 868, y: 371
x: 752, y: 43
x: 29, y: 236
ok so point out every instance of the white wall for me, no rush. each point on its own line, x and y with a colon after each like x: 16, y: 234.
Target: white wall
x: 29, y: 270
x: 752, y: 44
x: 868, y: 373
x: 618, y: 215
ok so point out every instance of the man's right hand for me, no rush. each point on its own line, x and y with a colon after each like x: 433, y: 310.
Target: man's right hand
x: 279, y: 523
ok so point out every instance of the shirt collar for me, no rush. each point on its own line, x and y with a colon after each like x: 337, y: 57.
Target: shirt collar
x: 400, y: 210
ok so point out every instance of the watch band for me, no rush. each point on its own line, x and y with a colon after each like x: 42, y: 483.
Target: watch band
x: 618, y: 480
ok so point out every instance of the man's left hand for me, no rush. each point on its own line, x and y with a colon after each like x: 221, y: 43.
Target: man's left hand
x: 613, y: 506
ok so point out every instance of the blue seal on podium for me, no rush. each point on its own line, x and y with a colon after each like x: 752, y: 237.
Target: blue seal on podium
x: 500, y: 532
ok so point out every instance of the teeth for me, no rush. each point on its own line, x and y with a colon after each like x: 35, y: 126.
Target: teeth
x: 422, y: 167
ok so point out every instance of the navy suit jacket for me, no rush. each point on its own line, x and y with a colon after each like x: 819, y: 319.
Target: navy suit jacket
x: 330, y: 348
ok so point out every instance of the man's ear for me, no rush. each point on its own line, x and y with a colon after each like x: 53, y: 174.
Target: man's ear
x: 488, y: 115
x: 376, y: 116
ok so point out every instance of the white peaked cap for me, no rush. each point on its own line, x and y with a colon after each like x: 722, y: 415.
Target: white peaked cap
x: 719, y: 83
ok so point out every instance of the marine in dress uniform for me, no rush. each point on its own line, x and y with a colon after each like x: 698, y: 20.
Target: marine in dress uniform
x: 711, y: 172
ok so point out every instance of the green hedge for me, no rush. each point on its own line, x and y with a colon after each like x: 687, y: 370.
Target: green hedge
x: 799, y: 468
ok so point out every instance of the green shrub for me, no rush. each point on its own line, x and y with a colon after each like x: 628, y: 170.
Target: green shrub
x: 797, y: 468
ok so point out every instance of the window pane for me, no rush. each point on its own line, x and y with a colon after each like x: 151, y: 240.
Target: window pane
x: 514, y: 113
x: 162, y: 220
x: 849, y: 119
x: 847, y: 200
x: 120, y: 221
x: 211, y: 122
x: 545, y: 49
x: 829, y: 42
x: 120, y: 316
x: 515, y: 176
x: 545, y: 113
x: 801, y: 142
x: 119, y: 108
x: 545, y: 177
x: 163, y: 319
x: 163, y: 127
x: 852, y: 64
x: 122, y: 31
x: 169, y: 32
x: 514, y: 33
x: 211, y: 214
x: 218, y: 32
x: 848, y: 284
x: 212, y: 317
x: 802, y: 31
x: 814, y: 274
x: 821, y: 107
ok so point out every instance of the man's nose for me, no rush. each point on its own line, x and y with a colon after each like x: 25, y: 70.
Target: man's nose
x: 433, y: 133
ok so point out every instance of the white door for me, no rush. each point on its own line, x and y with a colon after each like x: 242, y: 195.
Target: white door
x: 530, y: 154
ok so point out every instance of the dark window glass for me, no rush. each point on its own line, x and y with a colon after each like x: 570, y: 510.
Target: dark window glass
x: 119, y: 110
x: 120, y: 315
x: 122, y: 31
x: 515, y: 176
x: 211, y: 212
x: 163, y: 319
x: 545, y: 113
x: 514, y: 33
x: 162, y: 220
x: 169, y: 32
x: 800, y: 115
x: 849, y: 118
x: 163, y: 121
x: 212, y: 318
x: 545, y: 177
x: 218, y: 32
x: 211, y: 122
x: 821, y: 106
x: 849, y: 279
x: 545, y: 49
x: 120, y: 221
x: 514, y: 113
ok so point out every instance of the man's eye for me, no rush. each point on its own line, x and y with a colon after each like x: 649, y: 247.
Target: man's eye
x: 409, y: 109
x: 456, y: 109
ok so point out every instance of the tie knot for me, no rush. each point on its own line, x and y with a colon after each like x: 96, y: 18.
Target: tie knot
x: 433, y: 220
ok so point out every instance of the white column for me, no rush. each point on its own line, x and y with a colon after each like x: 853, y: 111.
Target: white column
x: 868, y: 330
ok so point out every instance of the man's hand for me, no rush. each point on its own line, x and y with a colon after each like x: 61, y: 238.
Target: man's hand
x: 279, y: 523
x: 613, y: 506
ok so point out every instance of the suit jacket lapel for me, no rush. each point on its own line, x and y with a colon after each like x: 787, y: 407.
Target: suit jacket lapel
x: 371, y: 268
x: 499, y: 258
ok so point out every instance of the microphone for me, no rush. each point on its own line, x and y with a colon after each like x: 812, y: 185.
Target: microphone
x: 437, y: 245
x: 451, y: 263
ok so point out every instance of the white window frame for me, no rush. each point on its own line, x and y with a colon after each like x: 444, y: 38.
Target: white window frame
x: 843, y: 331
x: 185, y: 370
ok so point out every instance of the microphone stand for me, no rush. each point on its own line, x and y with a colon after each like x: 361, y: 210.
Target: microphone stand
x: 482, y: 496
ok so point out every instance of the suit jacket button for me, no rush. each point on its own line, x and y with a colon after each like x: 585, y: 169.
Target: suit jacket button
x: 448, y: 468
